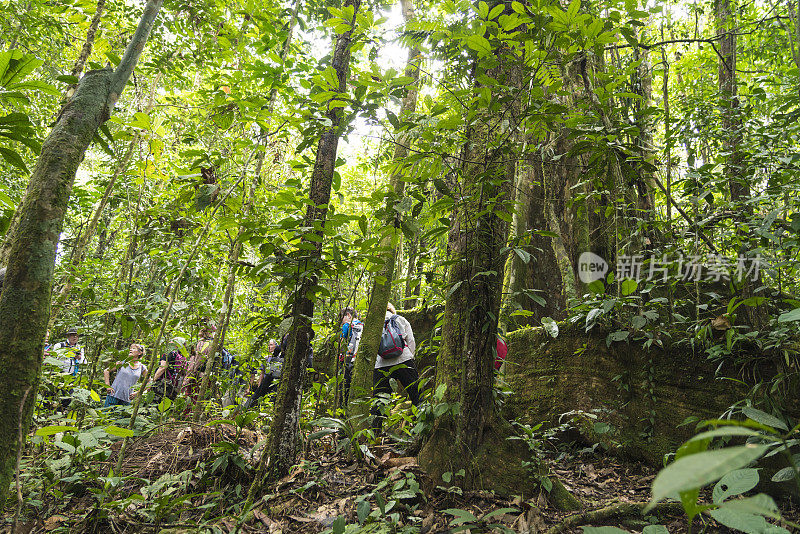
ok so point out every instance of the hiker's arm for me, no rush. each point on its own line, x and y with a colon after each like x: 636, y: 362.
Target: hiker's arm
x: 162, y: 368
x: 409, y: 337
x: 107, y: 377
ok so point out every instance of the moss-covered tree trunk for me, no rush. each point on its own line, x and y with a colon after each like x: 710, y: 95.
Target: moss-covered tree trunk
x: 361, y: 384
x: 25, y: 300
x: 283, y: 441
x: 475, y: 439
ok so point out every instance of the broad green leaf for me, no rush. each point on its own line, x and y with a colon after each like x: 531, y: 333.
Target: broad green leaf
x: 793, y: 315
x: 735, y: 483
x: 119, y: 432
x: 363, y: 509
x: 480, y: 44
x: 728, y: 431
x: 628, y: 286
x: 760, y: 504
x: 165, y: 404
x: 500, y: 511
x: 496, y: 11
x: 93, y: 394
x: 764, y: 418
x: 619, y: 335
x: 655, y: 529
x: 461, y: 516
x: 596, y: 287
x: 697, y: 470
x: 55, y: 429
x: 14, y: 159
x: 787, y: 473
x: 745, y: 522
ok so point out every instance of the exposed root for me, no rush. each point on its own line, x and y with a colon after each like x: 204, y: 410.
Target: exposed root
x: 615, y: 511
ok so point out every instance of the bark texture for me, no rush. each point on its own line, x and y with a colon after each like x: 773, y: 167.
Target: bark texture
x: 283, y: 442
x: 475, y: 439
x: 25, y: 300
x: 361, y: 385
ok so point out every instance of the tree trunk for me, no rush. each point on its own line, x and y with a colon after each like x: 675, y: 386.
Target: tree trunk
x: 283, y: 442
x: 25, y: 300
x: 475, y: 438
x: 738, y: 183
x: 361, y: 384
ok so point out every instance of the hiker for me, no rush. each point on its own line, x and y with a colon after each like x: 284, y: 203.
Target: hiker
x: 395, y: 359
x: 168, y: 376
x: 236, y: 384
x: 352, y: 329
x: 196, y: 365
x: 70, y: 353
x: 502, y: 351
x: 271, y: 371
x: 120, y: 392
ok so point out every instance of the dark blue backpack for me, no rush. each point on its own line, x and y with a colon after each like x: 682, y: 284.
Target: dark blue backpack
x: 392, y: 342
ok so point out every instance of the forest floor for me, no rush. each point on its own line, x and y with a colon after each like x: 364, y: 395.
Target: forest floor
x: 328, y: 485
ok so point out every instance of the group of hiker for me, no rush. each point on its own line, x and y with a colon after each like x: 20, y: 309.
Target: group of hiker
x: 181, y: 367
x: 394, y: 360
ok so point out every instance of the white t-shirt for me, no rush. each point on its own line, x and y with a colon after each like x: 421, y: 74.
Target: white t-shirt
x: 408, y: 350
x: 70, y: 355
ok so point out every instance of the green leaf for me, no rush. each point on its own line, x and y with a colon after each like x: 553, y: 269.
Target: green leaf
x: 747, y: 515
x: 573, y: 8
x: 787, y: 473
x: 363, y: 509
x: 735, y: 483
x: 596, y: 287
x: 496, y: 11
x: 744, y: 522
x: 697, y: 470
x: 655, y: 529
x: 338, y: 526
x: 480, y: 44
x: 727, y: 431
x: 793, y: 315
x: 603, y: 530
x: 500, y: 511
x: 55, y: 429
x: 461, y: 516
x: 93, y: 394
x: 165, y: 404
x: 72, y: 80
x: 119, y: 432
x: 764, y: 418
x: 619, y: 335
x: 14, y: 159
x: 628, y: 286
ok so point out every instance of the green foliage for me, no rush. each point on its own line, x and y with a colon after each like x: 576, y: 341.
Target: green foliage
x: 695, y: 467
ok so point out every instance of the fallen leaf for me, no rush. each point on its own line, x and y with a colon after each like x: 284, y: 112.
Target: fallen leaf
x: 399, y: 462
x: 54, y: 522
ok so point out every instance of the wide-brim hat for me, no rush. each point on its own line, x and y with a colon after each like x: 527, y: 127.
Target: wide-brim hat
x: 72, y: 330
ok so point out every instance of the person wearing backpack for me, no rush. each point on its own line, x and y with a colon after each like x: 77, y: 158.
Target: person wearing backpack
x: 395, y: 360
x: 352, y: 329
x: 167, y: 378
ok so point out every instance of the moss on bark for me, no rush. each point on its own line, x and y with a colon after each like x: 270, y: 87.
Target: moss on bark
x: 506, y: 466
x: 644, y: 395
x: 25, y: 300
